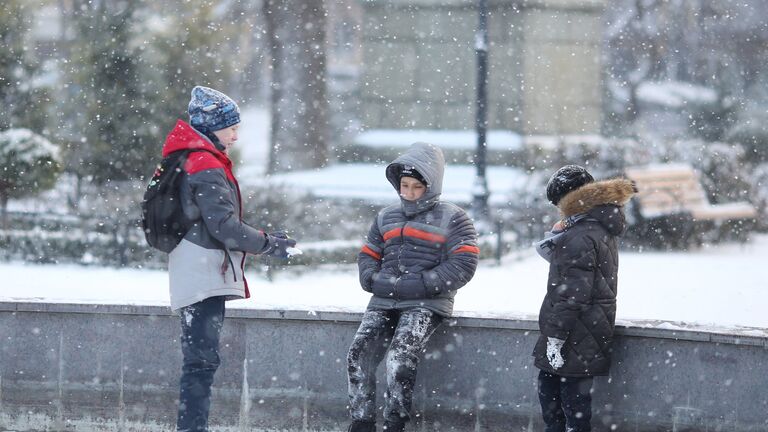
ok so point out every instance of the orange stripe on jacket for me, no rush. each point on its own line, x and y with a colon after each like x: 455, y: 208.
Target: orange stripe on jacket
x: 419, y: 234
x: 470, y: 249
x: 369, y: 251
x: 391, y: 233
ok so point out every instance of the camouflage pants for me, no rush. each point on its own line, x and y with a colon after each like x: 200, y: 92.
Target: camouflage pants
x: 401, y: 336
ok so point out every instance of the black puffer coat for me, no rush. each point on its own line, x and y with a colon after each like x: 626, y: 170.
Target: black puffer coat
x: 580, y: 304
x: 418, y: 253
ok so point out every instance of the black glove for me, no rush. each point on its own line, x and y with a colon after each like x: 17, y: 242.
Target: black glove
x: 410, y: 286
x: 383, y: 284
x: 277, y: 244
x: 279, y: 234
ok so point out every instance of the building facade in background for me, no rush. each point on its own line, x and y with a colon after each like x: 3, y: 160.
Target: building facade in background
x: 419, y: 67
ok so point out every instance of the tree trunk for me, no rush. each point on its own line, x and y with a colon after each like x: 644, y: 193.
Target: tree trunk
x: 4, y: 211
x: 299, y: 105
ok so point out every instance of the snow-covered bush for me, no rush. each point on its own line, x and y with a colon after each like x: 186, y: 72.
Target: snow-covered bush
x: 725, y: 172
x: 81, y: 223
x: 103, y: 228
x: 758, y: 178
x: 750, y: 131
x: 304, y: 216
x: 528, y: 213
x: 71, y: 239
x: 603, y: 156
x: 750, y: 119
x: 29, y: 163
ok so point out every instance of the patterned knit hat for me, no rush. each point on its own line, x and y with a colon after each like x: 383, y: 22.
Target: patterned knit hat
x: 211, y: 110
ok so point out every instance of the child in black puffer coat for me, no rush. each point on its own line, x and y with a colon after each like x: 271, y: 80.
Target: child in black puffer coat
x: 578, y: 313
x: 417, y: 254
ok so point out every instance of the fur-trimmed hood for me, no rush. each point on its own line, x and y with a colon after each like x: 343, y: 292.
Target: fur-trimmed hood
x: 616, y: 191
x: 602, y: 201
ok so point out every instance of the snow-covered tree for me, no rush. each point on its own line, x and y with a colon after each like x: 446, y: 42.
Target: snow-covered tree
x: 29, y: 163
x: 23, y: 102
x: 106, y: 97
x: 187, y: 48
x: 759, y: 196
x: 300, y: 114
x: 707, y: 46
x: 751, y: 117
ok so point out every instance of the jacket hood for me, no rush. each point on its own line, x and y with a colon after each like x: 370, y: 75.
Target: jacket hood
x: 602, y: 201
x: 429, y: 161
x: 185, y: 137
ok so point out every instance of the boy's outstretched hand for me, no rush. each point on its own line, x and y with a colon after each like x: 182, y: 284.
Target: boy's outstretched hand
x: 279, y: 245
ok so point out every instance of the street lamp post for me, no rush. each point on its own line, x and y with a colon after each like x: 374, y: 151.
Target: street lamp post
x: 480, y: 188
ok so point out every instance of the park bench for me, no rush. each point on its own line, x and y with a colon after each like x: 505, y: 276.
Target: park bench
x: 671, y: 206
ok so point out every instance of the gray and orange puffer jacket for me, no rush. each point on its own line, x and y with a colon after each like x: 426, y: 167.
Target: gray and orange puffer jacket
x: 418, y: 253
x: 209, y: 260
x: 580, y: 304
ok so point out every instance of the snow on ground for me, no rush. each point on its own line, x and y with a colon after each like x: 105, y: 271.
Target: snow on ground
x: 371, y: 184
x: 718, y: 288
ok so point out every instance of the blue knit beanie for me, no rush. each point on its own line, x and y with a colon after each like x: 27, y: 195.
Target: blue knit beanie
x: 211, y: 110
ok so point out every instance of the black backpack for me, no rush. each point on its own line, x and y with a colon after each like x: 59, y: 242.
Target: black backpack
x: 162, y: 217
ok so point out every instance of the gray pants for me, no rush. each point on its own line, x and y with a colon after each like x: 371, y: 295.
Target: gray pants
x: 402, y: 336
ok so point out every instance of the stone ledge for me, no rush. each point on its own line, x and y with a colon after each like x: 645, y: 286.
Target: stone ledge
x: 642, y: 329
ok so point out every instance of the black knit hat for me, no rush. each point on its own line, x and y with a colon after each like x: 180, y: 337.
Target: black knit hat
x: 410, y: 171
x: 566, y: 179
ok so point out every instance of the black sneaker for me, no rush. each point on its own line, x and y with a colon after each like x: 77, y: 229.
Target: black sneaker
x: 362, y: 426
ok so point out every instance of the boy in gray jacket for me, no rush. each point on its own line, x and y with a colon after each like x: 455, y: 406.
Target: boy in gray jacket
x: 206, y: 268
x: 417, y: 254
